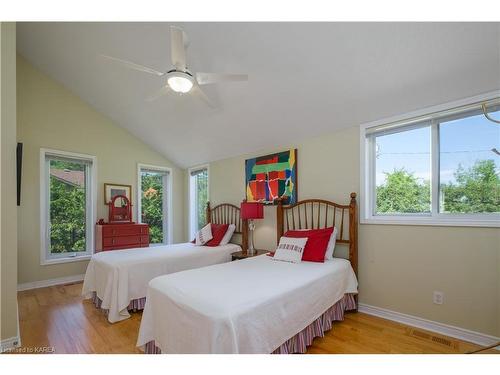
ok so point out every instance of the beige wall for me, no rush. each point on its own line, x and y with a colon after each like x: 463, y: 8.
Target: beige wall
x: 49, y: 116
x: 399, y: 266
x: 8, y: 209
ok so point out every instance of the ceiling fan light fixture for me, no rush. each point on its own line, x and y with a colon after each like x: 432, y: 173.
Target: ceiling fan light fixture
x: 180, y: 82
x: 179, y: 79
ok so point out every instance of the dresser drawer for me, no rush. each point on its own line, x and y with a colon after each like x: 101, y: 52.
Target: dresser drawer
x: 121, y: 236
x: 122, y: 241
x: 111, y: 248
x: 124, y: 230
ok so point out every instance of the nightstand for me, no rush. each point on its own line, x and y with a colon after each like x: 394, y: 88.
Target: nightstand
x: 243, y: 254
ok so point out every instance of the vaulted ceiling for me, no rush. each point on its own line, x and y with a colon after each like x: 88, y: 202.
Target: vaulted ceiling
x: 305, y: 79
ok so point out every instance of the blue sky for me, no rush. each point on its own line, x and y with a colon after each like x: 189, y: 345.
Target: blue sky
x: 461, y: 142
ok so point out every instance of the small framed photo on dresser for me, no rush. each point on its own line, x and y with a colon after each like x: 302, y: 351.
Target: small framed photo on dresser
x: 112, y: 190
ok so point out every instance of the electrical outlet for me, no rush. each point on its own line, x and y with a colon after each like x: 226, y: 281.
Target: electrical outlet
x: 438, y: 297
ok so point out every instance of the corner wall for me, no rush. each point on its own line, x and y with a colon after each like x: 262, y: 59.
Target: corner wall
x: 49, y: 116
x: 399, y: 266
x: 8, y: 209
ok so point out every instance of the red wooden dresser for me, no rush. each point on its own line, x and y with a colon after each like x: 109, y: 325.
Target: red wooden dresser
x: 121, y: 236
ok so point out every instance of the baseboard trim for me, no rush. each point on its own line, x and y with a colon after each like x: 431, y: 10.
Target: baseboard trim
x: 9, y: 344
x: 50, y: 282
x: 429, y: 325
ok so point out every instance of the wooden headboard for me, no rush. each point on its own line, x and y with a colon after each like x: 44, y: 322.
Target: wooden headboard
x: 319, y: 213
x: 227, y: 213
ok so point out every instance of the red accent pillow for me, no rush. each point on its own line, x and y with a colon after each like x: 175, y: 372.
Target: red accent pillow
x: 317, y: 242
x: 218, y: 232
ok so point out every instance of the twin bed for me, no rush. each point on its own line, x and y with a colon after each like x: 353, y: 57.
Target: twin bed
x: 256, y: 305
x: 117, y: 281
x: 196, y: 301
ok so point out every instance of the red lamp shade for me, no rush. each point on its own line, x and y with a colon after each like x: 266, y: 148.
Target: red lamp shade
x: 252, y: 210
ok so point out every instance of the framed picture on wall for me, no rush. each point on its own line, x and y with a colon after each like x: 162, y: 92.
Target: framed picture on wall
x: 112, y: 190
x: 270, y: 177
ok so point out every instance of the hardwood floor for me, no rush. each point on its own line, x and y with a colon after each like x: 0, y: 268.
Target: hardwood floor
x: 58, y: 317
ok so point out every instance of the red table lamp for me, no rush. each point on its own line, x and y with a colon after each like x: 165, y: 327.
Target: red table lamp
x: 250, y: 211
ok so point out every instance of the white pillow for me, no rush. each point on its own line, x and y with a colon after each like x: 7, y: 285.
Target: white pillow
x: 290, y: 249
x: 203, y: 235
x: 331, y: 245
x: 227, y: 236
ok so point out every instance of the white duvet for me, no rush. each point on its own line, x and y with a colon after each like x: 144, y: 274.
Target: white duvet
x: 120, y: 276
x: 247, y: 306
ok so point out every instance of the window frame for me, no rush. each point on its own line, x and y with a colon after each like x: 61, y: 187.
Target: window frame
x: 46, y: 258
x: 191, y: 219
x: 167, y: 199
x: 432, y: 116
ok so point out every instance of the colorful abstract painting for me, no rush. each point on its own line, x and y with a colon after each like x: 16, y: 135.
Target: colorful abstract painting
x: 272, y: 176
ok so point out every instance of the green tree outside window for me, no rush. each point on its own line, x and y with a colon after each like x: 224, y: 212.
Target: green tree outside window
x: 475, y: 190
x: 152, y: 204
x: 67, y: 207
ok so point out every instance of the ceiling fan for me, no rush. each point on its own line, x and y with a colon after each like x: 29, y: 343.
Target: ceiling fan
x: 180, y: 79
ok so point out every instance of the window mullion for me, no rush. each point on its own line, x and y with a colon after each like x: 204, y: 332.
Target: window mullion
x: 165, y: 207
x: 197, y: 202
x: 371, y: 184
x: 89, y: 209
x: 47, y: 208
x: 434, y: 168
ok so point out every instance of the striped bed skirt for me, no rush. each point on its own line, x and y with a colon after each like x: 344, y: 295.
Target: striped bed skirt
x: 303, y: 339
x: 134, y: 305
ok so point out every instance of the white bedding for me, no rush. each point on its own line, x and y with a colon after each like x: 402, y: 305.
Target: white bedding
x: 120, y: 276
x: 247, y: 306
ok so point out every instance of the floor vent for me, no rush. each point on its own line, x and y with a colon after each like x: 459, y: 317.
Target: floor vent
x: 430, y: 337
x: 442, y: 341
x: 420, y: 334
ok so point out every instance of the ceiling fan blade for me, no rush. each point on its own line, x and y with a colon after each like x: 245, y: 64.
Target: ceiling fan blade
x: 134, y: 66
x: 197, y: 91
x: 208, y: 78
x: 177, y: 48
x: 163, y: 91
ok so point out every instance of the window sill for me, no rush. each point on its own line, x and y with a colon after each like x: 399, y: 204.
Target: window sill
x: 48, y: 262
x: 428, y: 221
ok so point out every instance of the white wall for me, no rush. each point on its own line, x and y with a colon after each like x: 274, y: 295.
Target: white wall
x: 399, y: 266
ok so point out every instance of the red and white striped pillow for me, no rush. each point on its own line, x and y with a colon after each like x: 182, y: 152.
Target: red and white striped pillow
x: 203, y: 235
x: 290, y: 249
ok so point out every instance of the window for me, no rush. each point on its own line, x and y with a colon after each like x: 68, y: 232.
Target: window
x: 403, y: 172
x: 469, y: 166
x: 67, y: 206
x: 154, y: 202
x: 442, y: 168
x: 198, y: 198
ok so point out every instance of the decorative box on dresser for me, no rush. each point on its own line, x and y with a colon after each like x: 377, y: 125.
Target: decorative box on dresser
x: 121, y: 236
